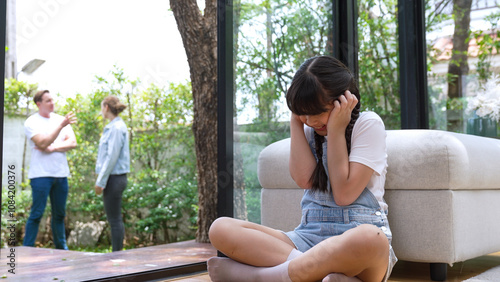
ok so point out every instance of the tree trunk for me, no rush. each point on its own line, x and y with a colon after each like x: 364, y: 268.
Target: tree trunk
x: 458, y: 66
x: 199, y: 36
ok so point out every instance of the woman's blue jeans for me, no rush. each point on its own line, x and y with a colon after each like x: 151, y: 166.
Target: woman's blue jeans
x: 57, y: 190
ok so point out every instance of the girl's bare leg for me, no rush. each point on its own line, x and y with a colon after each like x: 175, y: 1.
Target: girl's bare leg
x: 257, y: 253
x: 250, y: 243
x: 362, y: 252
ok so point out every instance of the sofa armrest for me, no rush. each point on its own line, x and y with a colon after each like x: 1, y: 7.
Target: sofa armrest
x: 272, y: 167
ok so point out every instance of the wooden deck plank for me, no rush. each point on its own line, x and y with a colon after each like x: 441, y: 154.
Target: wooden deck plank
x: 37, y: 264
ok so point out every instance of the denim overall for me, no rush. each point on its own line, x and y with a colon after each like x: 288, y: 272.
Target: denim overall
x: 322, y: 218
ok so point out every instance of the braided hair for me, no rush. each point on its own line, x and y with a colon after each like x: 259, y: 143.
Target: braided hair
x: 318, y: 82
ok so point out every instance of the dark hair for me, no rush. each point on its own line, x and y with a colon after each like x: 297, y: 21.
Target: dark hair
x: 318, y: 82
x: 38, y: 96
x: 114, y: 104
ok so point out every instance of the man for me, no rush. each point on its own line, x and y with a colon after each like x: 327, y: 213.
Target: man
x: 50, y: 137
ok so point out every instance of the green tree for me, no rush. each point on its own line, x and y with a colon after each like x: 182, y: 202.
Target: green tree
x: 18, y: 97
x: 163, y: 193
x: 118, y: 84
x: 489, y: 44
x: 163, y: 114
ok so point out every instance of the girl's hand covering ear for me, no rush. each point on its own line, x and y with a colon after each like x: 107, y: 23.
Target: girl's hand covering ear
x: 296, y: 119
x: 340, y: 116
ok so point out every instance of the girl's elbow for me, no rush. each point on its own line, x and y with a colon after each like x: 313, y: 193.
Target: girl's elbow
x: 300, y: 180
x: 304, y: 184
x: 342, y: 200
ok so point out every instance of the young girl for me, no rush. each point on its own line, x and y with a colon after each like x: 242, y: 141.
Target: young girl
x: 338, y: 155
x: 113, y: 164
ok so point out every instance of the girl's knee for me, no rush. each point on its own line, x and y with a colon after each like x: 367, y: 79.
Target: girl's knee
x: 220, y: 228
x: 367, y: 231
x: 373, y: 238
x: 368, y: 238
x: 375, y: 233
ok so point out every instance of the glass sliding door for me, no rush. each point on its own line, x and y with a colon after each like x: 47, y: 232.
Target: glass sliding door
x: 378, y: 60
x: 463, y: 56
x: 270, y: 41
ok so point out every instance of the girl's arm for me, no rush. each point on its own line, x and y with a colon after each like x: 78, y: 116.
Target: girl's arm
x: 302, y: 161
x: 347, y: 179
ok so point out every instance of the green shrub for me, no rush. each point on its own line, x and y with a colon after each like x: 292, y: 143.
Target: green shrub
x: 163, y: 212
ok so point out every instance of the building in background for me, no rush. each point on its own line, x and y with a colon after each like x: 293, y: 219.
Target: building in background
x: 10, y: 41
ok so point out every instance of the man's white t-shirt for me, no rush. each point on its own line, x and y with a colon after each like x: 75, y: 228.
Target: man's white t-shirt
x: 47, y: 164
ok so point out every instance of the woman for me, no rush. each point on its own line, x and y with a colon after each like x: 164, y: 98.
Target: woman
x: 113, y: 164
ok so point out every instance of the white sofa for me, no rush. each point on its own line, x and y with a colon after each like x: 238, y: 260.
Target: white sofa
x: 442, y: 188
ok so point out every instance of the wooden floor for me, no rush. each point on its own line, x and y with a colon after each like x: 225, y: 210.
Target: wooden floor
x: 37, y: 264
x: 410, y: 271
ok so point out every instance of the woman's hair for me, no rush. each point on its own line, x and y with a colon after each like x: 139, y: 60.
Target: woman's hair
x: 319, y: 82
x: 114, y: 104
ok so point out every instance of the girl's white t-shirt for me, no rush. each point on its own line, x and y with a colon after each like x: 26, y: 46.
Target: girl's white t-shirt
x: 368, y: 147
x: 46, y: 164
